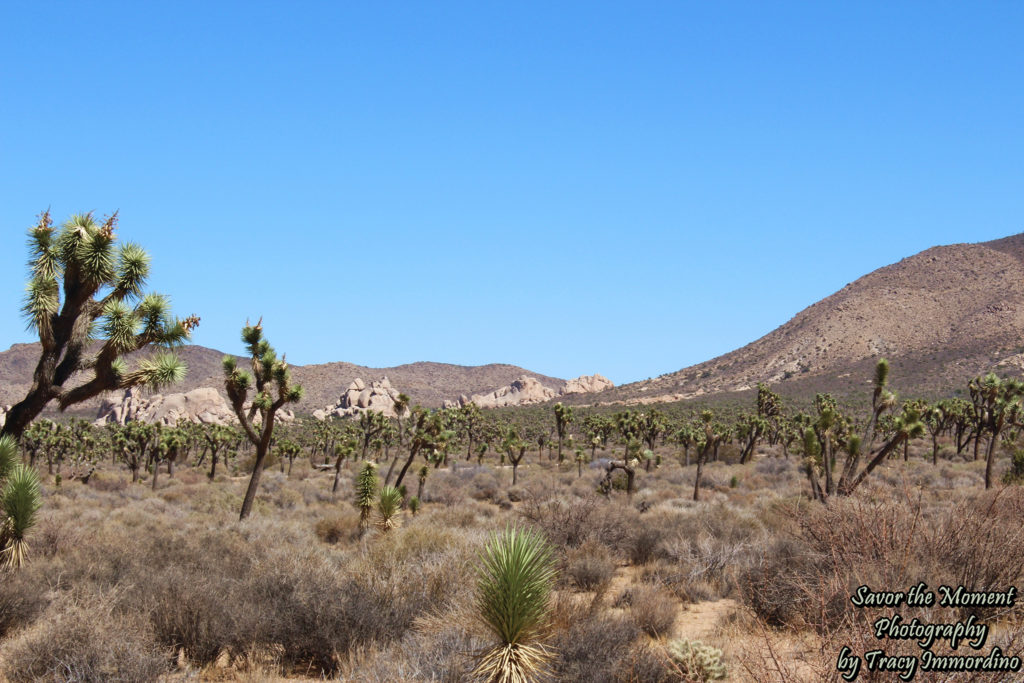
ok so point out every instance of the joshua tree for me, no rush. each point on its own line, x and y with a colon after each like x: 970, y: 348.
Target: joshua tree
x: 287, y: 449
x: 220, y: 437
x: 366, y: 491
x: 516, y: 576
x: 429, y: 435
x: 20, y: 500
x: 563, y: 418
x: 581, y: 457
x: 273, y: 391
x: 422, y: 475
x: 82, y: 283
x: 515, y: 448
x: 471, y: 421
x: 168, y: 445
x: 997, y: 403
x: 371, y: 424
x: 342, y: 451
x: 651, y: 425
x: 709, y: 436
x: 686, y: 436
x: 401, y: 408
x: 627, y: 465
x: 600, y: 427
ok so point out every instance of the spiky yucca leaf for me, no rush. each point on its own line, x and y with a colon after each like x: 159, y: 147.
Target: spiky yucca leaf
x: 119, y: 325
x: 8, y: 455
x: 95, y: 257
x: 20, y: 499
x: 42, y: 300
x: 163, y: 369
x: 515, y: 578
x: 132, y: 269
x: 389, y: 504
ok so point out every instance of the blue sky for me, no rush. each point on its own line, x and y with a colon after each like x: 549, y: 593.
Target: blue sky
x: 571, y: 187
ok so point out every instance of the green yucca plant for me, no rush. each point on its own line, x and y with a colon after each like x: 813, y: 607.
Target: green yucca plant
x: 516, y: 575
x: 20, y: 500
x: 389, y: 504
x: 366, y: 491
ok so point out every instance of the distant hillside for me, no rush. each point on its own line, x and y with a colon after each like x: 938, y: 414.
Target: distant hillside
x: 941, y: 317
x: 426, y: 383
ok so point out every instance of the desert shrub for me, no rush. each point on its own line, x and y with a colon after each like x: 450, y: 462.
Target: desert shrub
x: 108, y: 482
x: 645, y: 544
x: 569, y: 525
x: 1015, y: 473
x: 675, y: 578
x: 338, y: 528
x: 976, y: 542
x: 779, y: 586
x: 54, y: 535
x: 22, y: 598
x: 589, y: 647
x: 646, y: 663
x: 484, y: 484
x: 589, y: 567
x: 652, y: 609
x: 85, y: 639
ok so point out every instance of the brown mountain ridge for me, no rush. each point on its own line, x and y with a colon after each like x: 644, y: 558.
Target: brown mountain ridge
x: 426, y: 383
x: 941, y: 317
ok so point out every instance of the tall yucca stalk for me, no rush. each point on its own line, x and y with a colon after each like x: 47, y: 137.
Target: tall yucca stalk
x: 20, y: 500
x: 516, y: 575
x: 85, y: 301
x: 366, y: 491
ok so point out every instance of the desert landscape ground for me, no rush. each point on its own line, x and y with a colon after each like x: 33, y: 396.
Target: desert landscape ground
x: 716, y: 523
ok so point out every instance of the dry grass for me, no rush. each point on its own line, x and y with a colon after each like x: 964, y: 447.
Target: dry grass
x: 127, y: 584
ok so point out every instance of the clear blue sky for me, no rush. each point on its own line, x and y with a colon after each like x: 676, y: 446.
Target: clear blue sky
x: 623, y: 188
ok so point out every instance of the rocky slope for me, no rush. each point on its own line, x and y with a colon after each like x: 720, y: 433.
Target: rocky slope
x: 941, y: 317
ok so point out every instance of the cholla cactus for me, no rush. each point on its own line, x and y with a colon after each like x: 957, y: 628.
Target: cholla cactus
x: 389, y: 504
x: 697, y: 661
x: 20, y: 500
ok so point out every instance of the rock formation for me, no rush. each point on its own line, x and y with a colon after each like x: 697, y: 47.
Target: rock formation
x: 527, y: 390
x: 522, y: 391
x: 204, y: 405
x: 379, y: 396
x: 586, y: 384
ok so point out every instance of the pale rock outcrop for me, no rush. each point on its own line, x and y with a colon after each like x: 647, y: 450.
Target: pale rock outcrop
x: 527, y: 390
x: 586, y: 384
x: 523, y: 391
x: 3, y: 414
x: 379, y: 396
x: 204, y: 405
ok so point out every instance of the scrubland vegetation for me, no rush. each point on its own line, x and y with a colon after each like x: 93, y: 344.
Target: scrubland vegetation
x: 129, y: 583
x: 548, y: 543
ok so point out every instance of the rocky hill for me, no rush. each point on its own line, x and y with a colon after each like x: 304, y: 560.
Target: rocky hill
x: 427, y: 384
x: 941, y: 317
